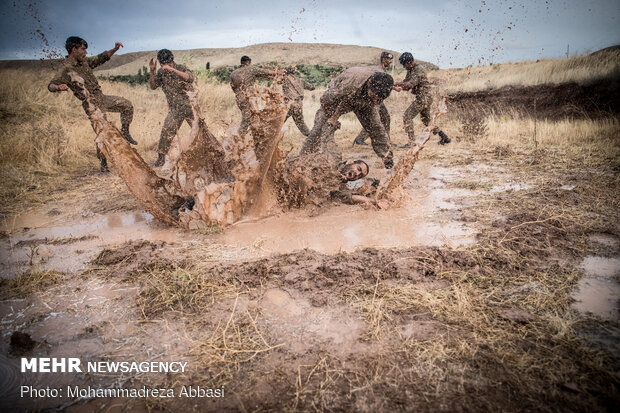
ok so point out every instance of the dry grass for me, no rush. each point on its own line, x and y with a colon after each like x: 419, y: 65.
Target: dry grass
x: 28, y: 283
x: 580, y: 69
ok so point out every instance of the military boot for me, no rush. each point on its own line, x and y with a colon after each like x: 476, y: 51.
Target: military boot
x: 444, y: 138
x: 127, y: 136
x: 104, y: 165
x: 159, y: 161
x: 359, y: 141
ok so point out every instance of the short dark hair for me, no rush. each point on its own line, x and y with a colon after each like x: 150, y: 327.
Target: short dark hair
x: 245, y: 59
x: 165, y: 56
x: 381, y: 83
x: 359, y: 162
x: 74, y: 41
x: 405, y: 58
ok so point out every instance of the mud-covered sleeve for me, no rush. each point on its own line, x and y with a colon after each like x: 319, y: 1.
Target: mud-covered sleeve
x: 98, y: 60
x: 264, y: 73
x: 189, y: 72
x: 61, y: 78
x: 342, y: 195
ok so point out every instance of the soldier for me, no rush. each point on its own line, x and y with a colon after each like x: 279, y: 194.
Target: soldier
x: 175, y: 80
x: 416, y: 81
x: 78, y: 63
x: 358, y: 90
x: 241, y: 80
x: 360, y: 139
x: 293, y: 88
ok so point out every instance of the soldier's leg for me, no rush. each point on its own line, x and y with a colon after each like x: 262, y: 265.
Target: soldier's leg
x: 361, y: 137
x: 371, y: 122
x: 171, y: 125
x: 410, y: 113
x: 244, y: 107
x: 125, y: 108
x: 425, y: 115
x: 102, y: 159
x: 312, y: 142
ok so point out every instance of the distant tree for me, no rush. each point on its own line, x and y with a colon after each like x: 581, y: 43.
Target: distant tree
x: 208, y: 66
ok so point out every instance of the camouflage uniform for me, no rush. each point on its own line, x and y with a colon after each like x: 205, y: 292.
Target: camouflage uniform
x: 106, y: 103
x: 349, y: 91
x: 383, y: 114
x: 179, y: 108
x: 293, y: 88
x: 421, y: 104
x: 241, y: 80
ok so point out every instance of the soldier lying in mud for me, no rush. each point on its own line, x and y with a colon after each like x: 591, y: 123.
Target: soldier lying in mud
x: 313, y: 180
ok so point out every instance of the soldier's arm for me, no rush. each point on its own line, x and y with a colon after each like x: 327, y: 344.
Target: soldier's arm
x: 59, y: 83
x: 152, y: 66
x: 185, y: 75
x: 110, y: 52
x: 103, y: 57
x: 403, y: 85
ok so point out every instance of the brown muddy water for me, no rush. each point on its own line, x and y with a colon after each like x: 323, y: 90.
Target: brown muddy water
x: 427, y: 217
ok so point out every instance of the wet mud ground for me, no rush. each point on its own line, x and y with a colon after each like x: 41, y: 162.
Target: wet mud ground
x: 493, y: 286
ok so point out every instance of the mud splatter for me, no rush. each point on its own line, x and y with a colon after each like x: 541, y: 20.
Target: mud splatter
x: 223, y: 179
x: 388, y: 189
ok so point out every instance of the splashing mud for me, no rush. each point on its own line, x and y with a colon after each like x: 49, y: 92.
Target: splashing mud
x: 388, y: 189
x: 221, y: 179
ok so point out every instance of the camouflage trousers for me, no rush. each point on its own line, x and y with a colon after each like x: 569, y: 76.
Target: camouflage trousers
x: 114, y: 104
x: 385, y: 120
x: 422, y: 105
x: 296, y: 110
x: 321, y: 137
x: 173, y: 122
x: 244, y: 107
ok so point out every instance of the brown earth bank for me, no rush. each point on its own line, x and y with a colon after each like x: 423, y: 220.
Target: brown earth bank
x: 596, y: 100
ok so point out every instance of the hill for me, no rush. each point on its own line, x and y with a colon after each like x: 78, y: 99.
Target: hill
x: 289, y: 53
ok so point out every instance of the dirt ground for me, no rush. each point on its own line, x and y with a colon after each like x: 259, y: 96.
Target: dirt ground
x: 493, y: 286
x: 599, y: 99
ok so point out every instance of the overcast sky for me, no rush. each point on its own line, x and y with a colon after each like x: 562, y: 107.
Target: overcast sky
x: 452, y: 33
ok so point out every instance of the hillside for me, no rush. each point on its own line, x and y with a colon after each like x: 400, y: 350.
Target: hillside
x: 306, y: 53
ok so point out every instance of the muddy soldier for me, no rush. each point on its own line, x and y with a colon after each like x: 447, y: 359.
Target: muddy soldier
x: 175, y: 80
x: 83, y: 66
x: 417, y: 82
x: 241, y: 82
x: 293, y: 89
x: 358, y: 90
x: 360, y: 139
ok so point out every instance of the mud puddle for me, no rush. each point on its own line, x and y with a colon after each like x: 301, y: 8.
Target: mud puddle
x: 62, y: 244
x: 599, y: 291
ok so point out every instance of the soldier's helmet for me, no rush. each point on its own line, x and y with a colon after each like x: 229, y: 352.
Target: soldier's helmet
x: 405, y: 58
x: 165, y: 56
x: 289, y: 70
x: 386, y: 55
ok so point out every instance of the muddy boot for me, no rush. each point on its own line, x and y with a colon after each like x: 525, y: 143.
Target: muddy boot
x: 127, y: 136
x: 359, y: 141
x: 159, y: 161
x: 444, y: 138
x: 104, y: 165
